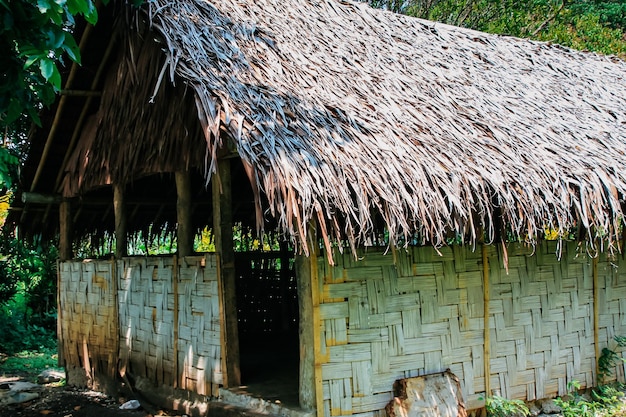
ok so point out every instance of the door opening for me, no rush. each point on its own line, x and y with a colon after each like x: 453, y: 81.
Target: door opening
x: 268, y: 320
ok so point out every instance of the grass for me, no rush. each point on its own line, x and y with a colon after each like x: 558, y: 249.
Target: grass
x: 28, y: 364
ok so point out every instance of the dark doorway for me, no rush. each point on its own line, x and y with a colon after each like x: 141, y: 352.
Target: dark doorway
x: 268, y: 319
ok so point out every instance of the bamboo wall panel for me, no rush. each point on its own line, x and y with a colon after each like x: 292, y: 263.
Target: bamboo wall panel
x: 146, y: 311
x: 199, y: 343
x: 88, y: 316
x: 169, y: 318
x: 392, y: 316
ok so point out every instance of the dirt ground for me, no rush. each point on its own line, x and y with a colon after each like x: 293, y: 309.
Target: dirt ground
x: 57, y: 401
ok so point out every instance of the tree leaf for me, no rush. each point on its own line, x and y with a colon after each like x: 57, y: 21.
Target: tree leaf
x: 7, y: 20
x: 31, y: 60
x: 91, y: 16
x: 46, y: 66
x: 43, y: 5
x: 58, y: 38
x: 7, y: 161
x: 55, y: 78
x: 34, y: 117
x: 77, y: 6
x: 72, y: 49
x: 13, y: 112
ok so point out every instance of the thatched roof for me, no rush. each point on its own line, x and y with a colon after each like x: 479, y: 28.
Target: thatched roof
x: 341, y: 113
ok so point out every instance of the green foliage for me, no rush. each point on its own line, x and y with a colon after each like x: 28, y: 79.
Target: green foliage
x: 574, y: 404
x: 29, y: 362
x: 585, y: 33
x: 609, y: 359
x: 27, y: 295
x: 397, y: 6
x: 18, y: 335
x: 609, y: 396
x: 35, y: 37
x: 605, y: 400
x: 581, y: 24
x: 8, y: 167
x: 610, y: 13
x: 497, y: 406
x: 35, y: 40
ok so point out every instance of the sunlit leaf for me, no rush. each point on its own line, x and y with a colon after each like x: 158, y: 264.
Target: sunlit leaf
x: 30, y: 61
x: 71, y: 48
x: 46, y: 66
x: 58, y: 38
x: 43, y: 5
x: 55, y: 78
x: 91, y: 16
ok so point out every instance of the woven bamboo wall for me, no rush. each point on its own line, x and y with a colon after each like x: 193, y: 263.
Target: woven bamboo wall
x: 88, y: 317
x: 384, y: 320
x: 168, y: 318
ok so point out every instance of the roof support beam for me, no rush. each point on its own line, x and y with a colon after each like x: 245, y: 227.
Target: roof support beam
x: 183, y: 213
x: 119, y: 208
x: 306, y: 288
x: 81, y: 93
x: 39, y: 198
x: 65, y: 231
x: 223, y: 234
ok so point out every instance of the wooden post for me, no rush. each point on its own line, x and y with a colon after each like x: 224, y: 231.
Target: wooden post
x: 65, y: 231
x: 223, y: 234
x: 60, y: 344
x: 306, y: 387
x: 310, y: 331
x: 183, y: 212
x: 119, y: 208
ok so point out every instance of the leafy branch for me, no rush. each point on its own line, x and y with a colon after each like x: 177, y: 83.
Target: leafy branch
x: 36, y: 36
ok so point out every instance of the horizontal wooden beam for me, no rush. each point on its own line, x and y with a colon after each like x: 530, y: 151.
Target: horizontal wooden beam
x: 81, y: 93
x: 38, y: 198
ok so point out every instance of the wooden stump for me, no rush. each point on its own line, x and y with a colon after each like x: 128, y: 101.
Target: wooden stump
x: 433, y: 395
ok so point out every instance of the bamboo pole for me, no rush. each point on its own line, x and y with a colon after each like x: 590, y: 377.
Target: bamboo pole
x: 60, y: 344
x: 317, y: 323
x: 596, y: 311
x: 487, y: 335
x: 114, y: 356
x: 38, y: 198
x: 119, y: 208
x: 183, y: 213
x: 175, y: 324
x: 65, y: 231
x: 80, y: 93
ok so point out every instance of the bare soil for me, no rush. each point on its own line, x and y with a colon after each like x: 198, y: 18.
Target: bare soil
x: 59, y: 401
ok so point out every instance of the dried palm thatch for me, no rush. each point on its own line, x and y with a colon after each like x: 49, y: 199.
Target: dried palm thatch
x: 339, y: 111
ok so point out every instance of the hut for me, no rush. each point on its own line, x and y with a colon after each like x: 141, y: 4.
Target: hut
x: 445, y: 199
